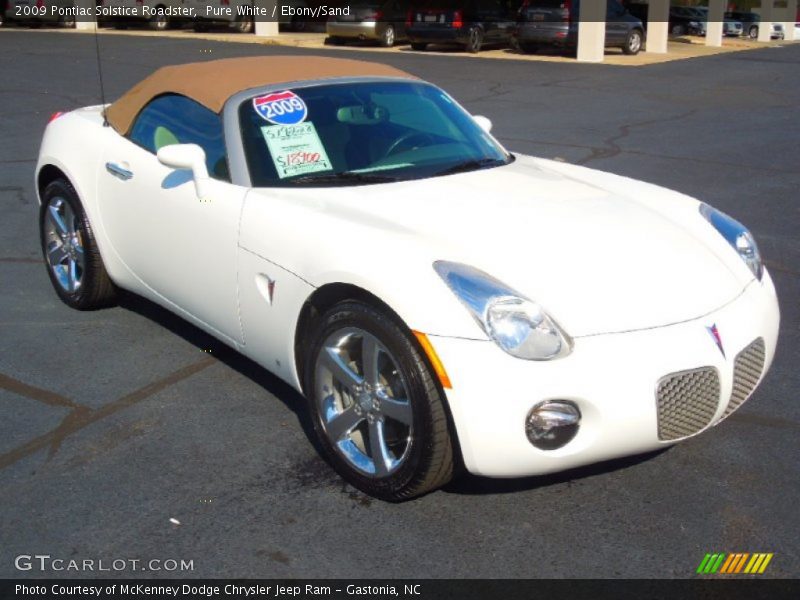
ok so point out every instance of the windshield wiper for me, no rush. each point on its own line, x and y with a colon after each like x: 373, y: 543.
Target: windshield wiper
x: 344, y: 177
x: 472, y: 165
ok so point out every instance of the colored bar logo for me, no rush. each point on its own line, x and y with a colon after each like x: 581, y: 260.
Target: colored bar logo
x: 735, y: 563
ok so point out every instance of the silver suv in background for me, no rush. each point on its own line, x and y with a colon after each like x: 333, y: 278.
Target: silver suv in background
x: 382, y: 21
x: 752, y: 21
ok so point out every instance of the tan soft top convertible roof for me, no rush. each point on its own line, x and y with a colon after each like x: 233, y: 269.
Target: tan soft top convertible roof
x: 212, y: 83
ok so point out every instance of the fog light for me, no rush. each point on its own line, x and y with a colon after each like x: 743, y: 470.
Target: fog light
x: 552, y: 424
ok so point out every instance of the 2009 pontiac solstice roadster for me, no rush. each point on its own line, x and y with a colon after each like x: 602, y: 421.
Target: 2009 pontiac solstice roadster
x: 355, y: 231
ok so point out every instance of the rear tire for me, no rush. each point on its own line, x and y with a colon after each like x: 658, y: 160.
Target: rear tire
x: 678, y: 30
x: 389, y: 438
x: 70, y: 251
x: 297, y: 24
x: 387, y: 38
x: 753, y: 32
x: 419, y: 46
x: 475, y: 40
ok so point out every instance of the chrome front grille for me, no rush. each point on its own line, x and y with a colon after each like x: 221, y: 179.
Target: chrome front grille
x: 687, y: 401
x: 747, y: 370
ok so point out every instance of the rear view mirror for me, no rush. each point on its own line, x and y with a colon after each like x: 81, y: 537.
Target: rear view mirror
x: 483, y: 122
x: 187, y: 156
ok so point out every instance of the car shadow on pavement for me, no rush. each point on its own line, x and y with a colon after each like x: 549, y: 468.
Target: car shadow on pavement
x: 474, y: 485
x: 225, y: 354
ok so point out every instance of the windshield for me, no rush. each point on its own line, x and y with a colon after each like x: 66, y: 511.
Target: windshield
x: 359, y: 133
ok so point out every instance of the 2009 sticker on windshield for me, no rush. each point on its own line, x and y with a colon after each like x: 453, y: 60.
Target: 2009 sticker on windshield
x: 281, y: 108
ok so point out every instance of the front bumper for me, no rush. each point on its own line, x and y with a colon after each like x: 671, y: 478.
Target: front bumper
x: 612, y: 378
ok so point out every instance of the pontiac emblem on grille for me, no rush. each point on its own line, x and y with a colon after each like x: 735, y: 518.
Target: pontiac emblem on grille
x: 714, y: 333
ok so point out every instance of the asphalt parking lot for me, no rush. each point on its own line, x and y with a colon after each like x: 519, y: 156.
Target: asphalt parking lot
x: 112, y: 423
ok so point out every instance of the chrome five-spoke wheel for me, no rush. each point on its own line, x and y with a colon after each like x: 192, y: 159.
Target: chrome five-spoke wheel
x: 363, y: 402
x: 64, y: 245
x: 70, y: 251
x: 378, y: 412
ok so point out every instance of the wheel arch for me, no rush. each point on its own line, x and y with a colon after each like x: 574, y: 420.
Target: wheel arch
x: 321, y: 300
x: 330, y: 294
x: 46, y: 175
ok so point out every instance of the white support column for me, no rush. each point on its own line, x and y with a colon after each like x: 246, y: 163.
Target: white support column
x: 658, y: 26
x: 265, y: 27
x: 765, y: 27
x: 592, y: 31
x: 85, y: 22
x: 791, y: 19
x: 716, y: 12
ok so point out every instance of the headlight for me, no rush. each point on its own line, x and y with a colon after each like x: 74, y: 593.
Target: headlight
x: 515, y: 323
x: 738, y: 236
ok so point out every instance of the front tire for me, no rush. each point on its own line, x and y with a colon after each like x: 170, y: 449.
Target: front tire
x: 243, y: 25
x: 753, y: 33
x: 67, y: 22
x: 159, y: 21
x: 633, y: 43
x: 377, y: 411
x: 70, y: 251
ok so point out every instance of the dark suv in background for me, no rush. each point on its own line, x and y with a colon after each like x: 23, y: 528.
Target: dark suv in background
x: 555, y: 23
x: 467, y: 23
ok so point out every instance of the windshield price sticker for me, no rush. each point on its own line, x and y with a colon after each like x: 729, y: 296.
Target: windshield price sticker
x: 281, y: 108
x: 296, y: 149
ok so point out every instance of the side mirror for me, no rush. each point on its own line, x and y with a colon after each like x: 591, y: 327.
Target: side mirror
x: 483, y: 122
x: 187, y: 156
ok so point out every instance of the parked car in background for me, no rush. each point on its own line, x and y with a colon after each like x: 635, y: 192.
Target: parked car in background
x: 638, y: 10
x: 155, y: 13
x: 383, y: 21
x: 555, y: 22
x: 681, y: 19
x: 730, y: 26
x: 238, y: 15
x: 752, y: 21
x: 467, y: 23
x: 36, y: 13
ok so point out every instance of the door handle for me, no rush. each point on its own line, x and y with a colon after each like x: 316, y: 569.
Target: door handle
x: 118, y: 171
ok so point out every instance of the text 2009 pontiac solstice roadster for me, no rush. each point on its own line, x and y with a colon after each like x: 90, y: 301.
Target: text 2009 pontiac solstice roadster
x: 354, y: 230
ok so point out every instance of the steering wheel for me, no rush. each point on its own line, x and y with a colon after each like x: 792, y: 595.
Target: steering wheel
x: 405, y: 138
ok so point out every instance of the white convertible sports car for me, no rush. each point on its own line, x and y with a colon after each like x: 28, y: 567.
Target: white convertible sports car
x: 438, y: 300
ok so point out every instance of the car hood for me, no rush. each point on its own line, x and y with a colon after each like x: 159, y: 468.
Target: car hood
x: 601, y: 253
